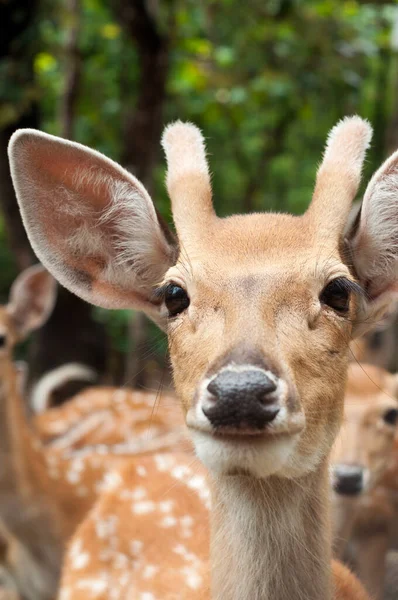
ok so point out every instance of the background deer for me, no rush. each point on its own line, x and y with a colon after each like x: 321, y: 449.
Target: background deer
x: 259, y: 310
x: 362, y: 458
x: 377, y: 347
x: 46, y: 487
x: 121, y: 419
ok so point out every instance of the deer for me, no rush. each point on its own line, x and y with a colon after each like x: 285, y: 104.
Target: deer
x: 364, y: 459
x: 115, y: 420
x: 50, y: 475
x: 377, y: 346
x: 259, y: 311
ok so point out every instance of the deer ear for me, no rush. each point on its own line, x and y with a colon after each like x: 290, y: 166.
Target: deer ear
x: 373, y: 241
x: 90, y: 222
x: 32, y: 298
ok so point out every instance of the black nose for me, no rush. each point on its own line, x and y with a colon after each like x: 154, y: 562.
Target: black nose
x: 241, y: 400
x: 348, y: 480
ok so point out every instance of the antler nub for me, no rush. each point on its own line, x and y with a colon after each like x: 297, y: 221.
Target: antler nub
x: 188, y: 176
x: 339, y: 176
x: 346, y: 146
x: 185, y: 150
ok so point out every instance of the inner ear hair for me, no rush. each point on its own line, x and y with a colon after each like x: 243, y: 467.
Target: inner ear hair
x: 353, y: 220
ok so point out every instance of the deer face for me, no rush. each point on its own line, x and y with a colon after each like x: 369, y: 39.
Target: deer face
x: 31, y: 301
x: 364, y: 446
x: 259, y: 309
x: 249, y: 334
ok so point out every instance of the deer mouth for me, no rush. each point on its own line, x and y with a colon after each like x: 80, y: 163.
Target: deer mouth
x: 259, y: 455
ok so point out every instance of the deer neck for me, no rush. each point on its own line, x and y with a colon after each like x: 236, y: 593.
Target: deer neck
x: 271, y: 539
x: 20, y: 448
x: 25, y: 502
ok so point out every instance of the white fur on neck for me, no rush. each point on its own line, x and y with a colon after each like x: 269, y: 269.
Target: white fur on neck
x: 270, y: 538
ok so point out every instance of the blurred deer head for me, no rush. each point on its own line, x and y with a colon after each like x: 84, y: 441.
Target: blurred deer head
x: 259, y: 309
x: 364, y: 446
x: 31, y: 301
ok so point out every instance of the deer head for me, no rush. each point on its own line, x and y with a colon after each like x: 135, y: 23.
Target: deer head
x: 364, y: 447
x: 259, y: 309
x: 31, y: 301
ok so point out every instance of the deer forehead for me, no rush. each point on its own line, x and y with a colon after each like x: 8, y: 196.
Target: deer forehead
x: 253, y: 251
x: 253, y: 233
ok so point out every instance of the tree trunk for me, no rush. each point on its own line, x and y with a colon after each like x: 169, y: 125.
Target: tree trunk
x: 141, y: 134
x: 72, y: 69
x: 18, y: 29
x: 71, y: 334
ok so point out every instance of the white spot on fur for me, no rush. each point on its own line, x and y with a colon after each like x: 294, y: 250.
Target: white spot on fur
x: 106, y: 527
x: 164, y: 462
x: 112, y: 481
x: 139, y: 493
x: 192, y: 577
x: 78, y: 558
x: 149, y: 571
x: 143, y: 508
x: 136, y: 547
x: 95, y: 586
x: 65, y: 594
x: 166, y: 506
x: 168, y: 521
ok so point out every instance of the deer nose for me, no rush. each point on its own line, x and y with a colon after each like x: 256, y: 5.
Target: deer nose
x: 241, y: 399
x: 348, y: 479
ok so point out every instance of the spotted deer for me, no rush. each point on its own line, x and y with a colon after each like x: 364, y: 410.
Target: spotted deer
x: 259, y: 311
x: 114, y: 421
x: 364, y: 474
x: 37, y: 488
x: 54, y: 466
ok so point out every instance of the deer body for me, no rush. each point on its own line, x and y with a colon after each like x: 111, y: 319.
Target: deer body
x: 54, y: 468
x: 259, y: 311
x: 365, y: 464
x: 115, y: 421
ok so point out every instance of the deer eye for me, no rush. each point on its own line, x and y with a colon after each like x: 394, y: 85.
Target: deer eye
x: 336, y: 294
x: 176, y: 299
x: 391, y: 416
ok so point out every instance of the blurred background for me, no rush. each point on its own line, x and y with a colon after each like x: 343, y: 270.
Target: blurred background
x: 265, y: 80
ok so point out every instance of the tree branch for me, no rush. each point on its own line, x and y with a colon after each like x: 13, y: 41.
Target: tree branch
x: 73, y: 70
